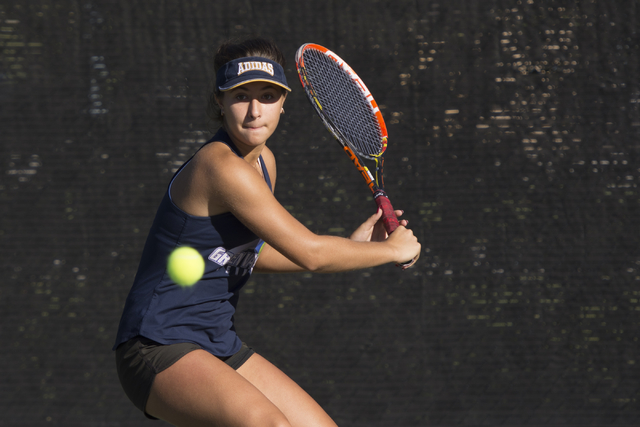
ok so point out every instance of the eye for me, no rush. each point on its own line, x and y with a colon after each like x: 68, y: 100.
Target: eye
x: 268, y: 96
x: 241, y: 97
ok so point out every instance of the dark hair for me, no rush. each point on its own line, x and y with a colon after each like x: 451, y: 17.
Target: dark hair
x: 234, y: 49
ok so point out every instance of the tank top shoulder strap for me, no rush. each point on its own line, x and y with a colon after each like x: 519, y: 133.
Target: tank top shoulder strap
x: 265, y: 173
x: 223, y: 137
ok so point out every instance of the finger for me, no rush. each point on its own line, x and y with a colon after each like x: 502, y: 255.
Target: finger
x: 375, y: 217
x: 399, y: 213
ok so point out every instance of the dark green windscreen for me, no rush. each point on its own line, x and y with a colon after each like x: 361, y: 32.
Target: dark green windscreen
x: 514, y: 150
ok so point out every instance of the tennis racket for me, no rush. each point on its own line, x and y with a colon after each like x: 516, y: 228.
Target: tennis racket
x: 350, y: 113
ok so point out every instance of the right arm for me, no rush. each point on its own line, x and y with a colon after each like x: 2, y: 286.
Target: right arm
x: 272, y: 261
x: 234, y: 186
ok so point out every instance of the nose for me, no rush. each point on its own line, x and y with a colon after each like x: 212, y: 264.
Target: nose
x: 254, y: 108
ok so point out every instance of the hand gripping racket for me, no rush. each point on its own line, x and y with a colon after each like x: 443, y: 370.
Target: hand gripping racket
x: 349, y: 111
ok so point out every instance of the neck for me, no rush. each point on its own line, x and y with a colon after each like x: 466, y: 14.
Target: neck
x: 250, y: 154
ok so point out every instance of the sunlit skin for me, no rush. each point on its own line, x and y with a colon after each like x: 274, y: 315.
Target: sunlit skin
x: 251, y: 114
x: 200, y: 389
x: 216, y: 181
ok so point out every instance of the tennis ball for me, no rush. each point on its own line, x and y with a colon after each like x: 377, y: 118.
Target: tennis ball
x: 185, y: 266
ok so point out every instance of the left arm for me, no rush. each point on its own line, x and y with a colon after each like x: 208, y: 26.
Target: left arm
x: 272, y: 261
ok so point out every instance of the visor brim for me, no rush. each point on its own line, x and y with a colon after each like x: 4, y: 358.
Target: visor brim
x: 244, y: 82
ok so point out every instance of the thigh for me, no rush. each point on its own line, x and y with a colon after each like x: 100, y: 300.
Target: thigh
x: 139, y: 360
x: 299, y: 408
x: 199, y: 389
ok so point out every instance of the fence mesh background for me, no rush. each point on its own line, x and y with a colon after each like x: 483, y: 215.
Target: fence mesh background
x: 514, y: 151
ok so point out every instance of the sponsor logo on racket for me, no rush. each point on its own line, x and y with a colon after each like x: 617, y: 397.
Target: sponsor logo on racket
x: 363, y: 169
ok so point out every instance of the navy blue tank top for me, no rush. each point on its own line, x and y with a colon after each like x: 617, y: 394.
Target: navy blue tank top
x: 167, y: 313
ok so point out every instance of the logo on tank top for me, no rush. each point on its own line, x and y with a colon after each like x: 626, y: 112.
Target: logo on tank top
x: 239, y: 260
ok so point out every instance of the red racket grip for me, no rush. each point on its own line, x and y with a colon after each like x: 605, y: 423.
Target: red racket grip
x: 389, y: 219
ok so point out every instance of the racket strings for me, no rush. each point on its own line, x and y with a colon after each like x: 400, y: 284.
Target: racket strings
x: 343, y: 103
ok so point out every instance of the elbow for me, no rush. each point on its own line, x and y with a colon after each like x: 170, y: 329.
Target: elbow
x: 311, y: 265
x: 315, y: 263
x: 311, y: 260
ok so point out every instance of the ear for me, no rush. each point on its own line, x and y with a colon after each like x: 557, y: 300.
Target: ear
x: 219, y: 99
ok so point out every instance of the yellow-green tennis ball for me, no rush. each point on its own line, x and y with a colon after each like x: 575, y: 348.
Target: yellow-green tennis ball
x: 185, y: 266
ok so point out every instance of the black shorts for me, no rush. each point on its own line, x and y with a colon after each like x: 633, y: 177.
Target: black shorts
x: 139, y: 360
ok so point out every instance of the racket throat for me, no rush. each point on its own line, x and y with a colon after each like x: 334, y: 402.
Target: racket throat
x: 364, y: 171
x: 379, y: 172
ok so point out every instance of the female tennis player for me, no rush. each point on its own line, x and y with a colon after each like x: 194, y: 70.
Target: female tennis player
x: 178, y: 356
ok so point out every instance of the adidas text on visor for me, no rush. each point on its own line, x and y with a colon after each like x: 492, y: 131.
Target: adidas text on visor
x: 250, y: 69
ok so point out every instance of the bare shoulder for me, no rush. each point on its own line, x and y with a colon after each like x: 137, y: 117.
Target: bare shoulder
x: 216, y: 159
x: 212, y: 178
x: 227, y: 178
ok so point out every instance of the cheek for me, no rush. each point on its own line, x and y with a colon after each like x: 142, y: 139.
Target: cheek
x: 271, y: 110
x: 236, y: 112
x: 276, y: 114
